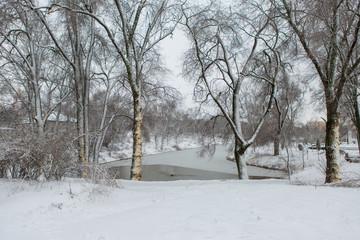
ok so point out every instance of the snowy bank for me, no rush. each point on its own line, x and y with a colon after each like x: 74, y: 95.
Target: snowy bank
x: 75, y: 210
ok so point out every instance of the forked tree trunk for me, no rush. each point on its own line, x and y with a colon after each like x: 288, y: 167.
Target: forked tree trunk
x: 332, y: 145
x: 136, y: 172
x: 81, y: 79
x: 239, y: 152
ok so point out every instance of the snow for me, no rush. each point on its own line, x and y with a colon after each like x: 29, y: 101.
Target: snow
x: 6, y: 128
x: 62, y: 118
x: 149, y: 148
x: 272, y: 209
x: 76, y: 209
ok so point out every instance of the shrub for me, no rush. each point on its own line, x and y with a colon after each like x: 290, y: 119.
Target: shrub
x: 33, y: 157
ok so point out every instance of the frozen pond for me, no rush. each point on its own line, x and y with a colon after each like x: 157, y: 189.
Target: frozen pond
x: 172, y: 173
x: 187, y: 165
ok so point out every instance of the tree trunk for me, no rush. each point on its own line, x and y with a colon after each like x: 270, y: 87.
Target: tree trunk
x: 358, y: 138
x: 239, y: 152
x: 97, y: 147
x: 40, y: 125
x: 99, y: 139
x: 82, y: 141
x: 277, y: 145
x: 81, y: 80
x: 86, y: 119
x: 36, y: 89
x: 57, y: 119
x: 356, y: 118
x: 137, y: 138
x: 332, y: 148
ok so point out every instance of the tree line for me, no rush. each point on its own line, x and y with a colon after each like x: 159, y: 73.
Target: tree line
x: 97, y: 64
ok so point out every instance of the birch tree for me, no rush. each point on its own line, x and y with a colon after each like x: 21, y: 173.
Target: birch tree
x: 328, y: 32
x: 232, y: 52
x: 143, y: 25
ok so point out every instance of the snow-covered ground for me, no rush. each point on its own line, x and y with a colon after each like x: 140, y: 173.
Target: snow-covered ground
x: 75, y: 209
x: 151, y: 147
x: 271, y: 209
x: 307, y: 166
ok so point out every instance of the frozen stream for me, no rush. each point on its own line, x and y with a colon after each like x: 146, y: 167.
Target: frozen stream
x: 188, y: 165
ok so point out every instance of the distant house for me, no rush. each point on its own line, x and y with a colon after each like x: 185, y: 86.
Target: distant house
x: 315, y: 131
x: 316, y: 126
x: 348, y: 133
x: 64, y: 121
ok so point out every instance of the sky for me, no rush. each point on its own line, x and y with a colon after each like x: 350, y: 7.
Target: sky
x: 173, y: 49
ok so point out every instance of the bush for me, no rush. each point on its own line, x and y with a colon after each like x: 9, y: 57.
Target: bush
x: 31, y: 157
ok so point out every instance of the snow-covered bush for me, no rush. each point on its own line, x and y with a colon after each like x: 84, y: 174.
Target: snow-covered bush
x: 26, y: 156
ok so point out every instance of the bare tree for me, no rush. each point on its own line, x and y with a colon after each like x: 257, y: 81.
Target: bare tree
x: 161, y: 120
x: 80, y: 39
x: 109, y: 81
x: 288, y: 102
x: 27, y: 64
x: 228, y: 67
x: 351, y: 103
x: 328, y: 32
x: 136, y: 30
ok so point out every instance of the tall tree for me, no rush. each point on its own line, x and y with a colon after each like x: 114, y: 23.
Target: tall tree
x: 27, y: 63
x: 228, y: 67
x: 351, y: 103
x: 328, y: 32
x: 135, y: 29
x: 108, y: 78
x: 76, y: 46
